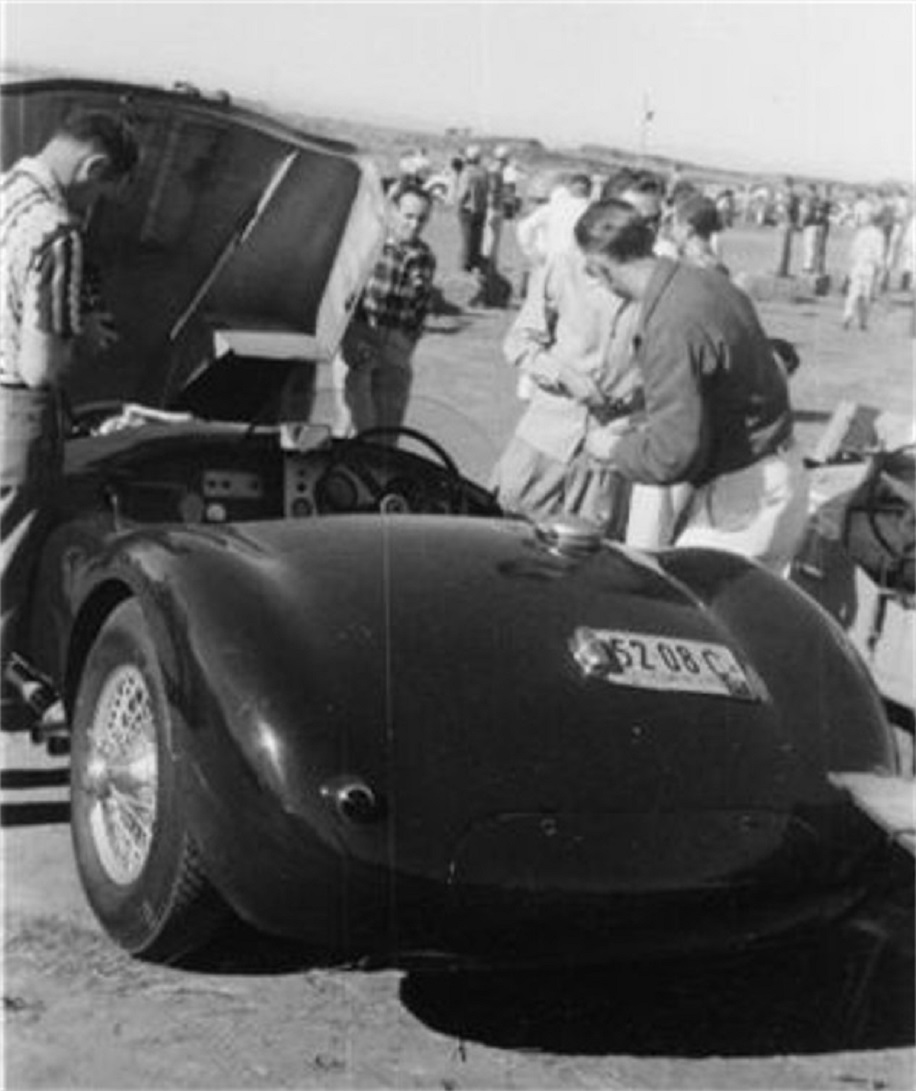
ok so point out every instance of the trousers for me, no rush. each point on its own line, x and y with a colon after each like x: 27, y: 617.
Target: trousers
x: 31, y: 469
x: 759, y: 511
x: 377, y: 378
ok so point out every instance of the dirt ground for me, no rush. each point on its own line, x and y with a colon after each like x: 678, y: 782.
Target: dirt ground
x: 80, y: 1014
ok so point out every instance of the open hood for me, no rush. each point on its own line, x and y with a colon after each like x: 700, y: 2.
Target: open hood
x: 234, y: 224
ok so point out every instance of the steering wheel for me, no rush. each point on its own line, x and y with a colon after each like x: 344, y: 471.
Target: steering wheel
x: 351, y: 455
x: 411, y: 433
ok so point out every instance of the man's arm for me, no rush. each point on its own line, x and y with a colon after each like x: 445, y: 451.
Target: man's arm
x: 52, y: 310
x: 531, y: 344
x: 673, y: 441
x: 422, y: 276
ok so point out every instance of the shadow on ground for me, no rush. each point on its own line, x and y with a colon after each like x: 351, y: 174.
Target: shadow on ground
x: 850, y: 989
x: 798, y: 1002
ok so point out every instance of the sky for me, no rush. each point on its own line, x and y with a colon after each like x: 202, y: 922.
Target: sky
x: 819, y: 88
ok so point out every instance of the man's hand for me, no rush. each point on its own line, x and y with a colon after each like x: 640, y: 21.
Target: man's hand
x: 600, y: 443
x: 580, y: 386
x: 99, y: 332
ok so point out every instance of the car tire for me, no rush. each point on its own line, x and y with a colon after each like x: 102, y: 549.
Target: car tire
x: 136, y: 858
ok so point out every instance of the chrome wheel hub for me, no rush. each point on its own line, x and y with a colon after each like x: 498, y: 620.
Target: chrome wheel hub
x: 121, y: 774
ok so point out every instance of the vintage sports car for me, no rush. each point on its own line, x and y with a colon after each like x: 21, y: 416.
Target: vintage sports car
x: 326, y: 684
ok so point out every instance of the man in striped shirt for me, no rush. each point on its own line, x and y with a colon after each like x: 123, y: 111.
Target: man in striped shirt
x: 379, y: 344
x: 45, y: 305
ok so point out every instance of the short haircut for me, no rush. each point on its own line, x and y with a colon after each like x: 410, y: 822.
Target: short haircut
x: 411, y: 189
x: 631, y: 178
x: 106, y: 132
x: 614, y: 228
x: 680, y: 190
x: 580, y: 185
x: 699, y: 213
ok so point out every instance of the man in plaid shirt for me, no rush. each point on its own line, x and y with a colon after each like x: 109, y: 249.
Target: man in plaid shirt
x: 379, y: 344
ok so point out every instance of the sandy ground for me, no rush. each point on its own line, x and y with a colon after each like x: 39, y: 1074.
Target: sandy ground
x: 80, y: 1014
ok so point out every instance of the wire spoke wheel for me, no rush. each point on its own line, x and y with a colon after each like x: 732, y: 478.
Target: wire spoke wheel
x: 136, y: 856
x: 122, y: 775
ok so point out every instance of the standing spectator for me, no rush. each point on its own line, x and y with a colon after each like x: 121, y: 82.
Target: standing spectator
x: 862, y: 210
x: 725, y: 204
x: 493, y: 220
x: 790, y: 211
x: 549, y: 229
x: 717, y: 405
x: 571, y: 340
x: 866, y: 266
x: 512, y: 176
x: 378, y: 347
x: 694, y: 223
x: 45, y: 310
x: 823, y: 212
x: 808, y: 220
x: 901, y: 215
x: 471, y: 202
x: 451, y: 177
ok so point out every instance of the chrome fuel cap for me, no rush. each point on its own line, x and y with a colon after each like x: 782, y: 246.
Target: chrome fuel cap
x: 570, y: 535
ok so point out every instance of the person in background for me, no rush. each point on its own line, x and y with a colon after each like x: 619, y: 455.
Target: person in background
x: 901, y: 217
x: 48, y: 308
x: 376, y: 357
x: 471, y: 204
x: 547, y: 232
x: 717, y: 410
x: 823, y: 212
x: 493, y: 220
x: 866, y: 267
x: 862, y: 209
x: 693, y: 226
x: 549, y: 229
x: 789, y: 215
x: 512, y: 176
x: 808, y: 216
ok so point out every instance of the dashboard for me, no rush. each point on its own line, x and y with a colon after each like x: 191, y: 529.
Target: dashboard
x: 247, y: 481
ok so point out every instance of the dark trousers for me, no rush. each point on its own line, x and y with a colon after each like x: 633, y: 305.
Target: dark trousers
x: 31, y: 467
x: 471, y: 225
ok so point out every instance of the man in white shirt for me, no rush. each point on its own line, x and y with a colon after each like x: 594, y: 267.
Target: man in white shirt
x: 548, y: 230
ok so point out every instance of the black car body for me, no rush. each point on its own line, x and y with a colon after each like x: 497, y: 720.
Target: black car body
x: 327, y: 683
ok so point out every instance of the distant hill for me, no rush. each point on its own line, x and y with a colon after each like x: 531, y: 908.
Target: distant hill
x: 388, y: 144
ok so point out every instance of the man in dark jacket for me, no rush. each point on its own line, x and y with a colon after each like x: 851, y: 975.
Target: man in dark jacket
x: 717, y: 405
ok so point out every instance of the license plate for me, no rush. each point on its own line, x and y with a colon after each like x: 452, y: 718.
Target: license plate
x: 661, y: 663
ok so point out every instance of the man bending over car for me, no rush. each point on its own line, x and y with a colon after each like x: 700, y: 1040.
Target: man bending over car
x: 46, y: 305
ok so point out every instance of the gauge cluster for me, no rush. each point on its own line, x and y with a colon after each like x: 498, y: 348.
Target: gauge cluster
x: 235, y: 482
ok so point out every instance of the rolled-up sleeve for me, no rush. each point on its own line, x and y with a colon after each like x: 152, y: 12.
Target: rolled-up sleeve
x: 54, y: 286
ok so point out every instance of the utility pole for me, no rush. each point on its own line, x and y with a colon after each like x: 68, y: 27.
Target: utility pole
x: 648, y: 115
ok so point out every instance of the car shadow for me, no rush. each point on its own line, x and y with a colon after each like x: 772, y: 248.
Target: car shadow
x: 849, y: 987
x: 798, y: 1002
